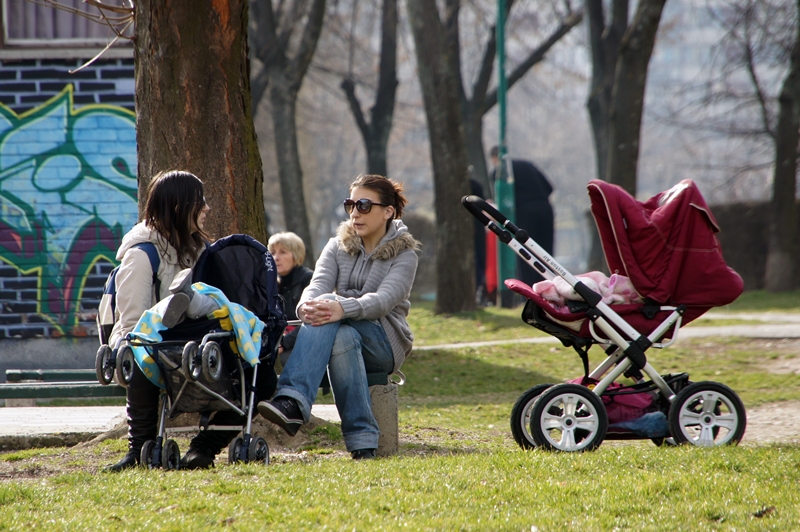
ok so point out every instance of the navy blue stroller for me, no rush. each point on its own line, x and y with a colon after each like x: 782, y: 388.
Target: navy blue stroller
x: 198, y: 361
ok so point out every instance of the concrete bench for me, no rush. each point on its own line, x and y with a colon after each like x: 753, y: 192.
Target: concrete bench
x: 23, y: 387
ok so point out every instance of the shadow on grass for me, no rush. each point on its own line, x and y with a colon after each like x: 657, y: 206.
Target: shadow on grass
x: 441, y: 373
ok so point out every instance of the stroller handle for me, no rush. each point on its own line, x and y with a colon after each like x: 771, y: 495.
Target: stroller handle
x: 480, y: 208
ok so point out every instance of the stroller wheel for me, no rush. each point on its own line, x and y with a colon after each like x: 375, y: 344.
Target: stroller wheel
x: 234, y: 450
x: 521, y: 416
x: 212, y: 361
x: 171, y: 456
x: 189, y: 363
x: 258, y: 451
x: 147, y: 455
x: 707, y: 414
x: 125, y: 363
x: 568, y: 417
x: 102, y: 365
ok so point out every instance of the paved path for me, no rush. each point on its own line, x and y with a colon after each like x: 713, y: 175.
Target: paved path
x: 37, y: 421
x: 42, y: 420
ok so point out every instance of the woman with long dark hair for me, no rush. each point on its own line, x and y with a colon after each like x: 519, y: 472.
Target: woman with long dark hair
x: 174, y: 216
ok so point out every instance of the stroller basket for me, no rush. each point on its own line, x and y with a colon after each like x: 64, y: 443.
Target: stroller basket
x: 668, y: 250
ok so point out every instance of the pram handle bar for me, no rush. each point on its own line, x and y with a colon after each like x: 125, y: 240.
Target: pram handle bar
x: 479, y: 208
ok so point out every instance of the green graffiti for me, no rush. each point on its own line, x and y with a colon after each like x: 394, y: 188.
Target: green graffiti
x: 67, y: 195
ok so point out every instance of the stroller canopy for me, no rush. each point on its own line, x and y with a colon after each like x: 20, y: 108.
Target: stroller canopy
x: 666, y: 246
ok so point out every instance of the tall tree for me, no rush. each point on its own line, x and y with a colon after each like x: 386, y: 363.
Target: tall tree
x: 627, y: 96
x: 620, y: 56
x: 455, y: 277
x: 782, y: 256
x: 376, y: 132
x: 284, y: 39
x: 193, y: 106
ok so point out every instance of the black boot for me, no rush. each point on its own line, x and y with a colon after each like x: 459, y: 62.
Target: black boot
x: 209, y: 443
x: 142, y: 405
x: 131, y: 459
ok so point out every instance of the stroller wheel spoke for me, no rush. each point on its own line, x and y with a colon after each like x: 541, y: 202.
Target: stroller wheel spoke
x: 550, y: 422
x: 568, y: 439
x: 727, y: 421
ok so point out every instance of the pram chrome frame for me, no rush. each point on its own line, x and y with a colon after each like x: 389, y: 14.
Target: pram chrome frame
x: 622, y: 352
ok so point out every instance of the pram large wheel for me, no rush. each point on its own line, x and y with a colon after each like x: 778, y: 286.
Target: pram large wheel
x: 258, y: 451
x: 707, y: 414
x: 146, y: 455
x: 521, y: 416
x: 189, y: 363
x: 234, y: 450
x: 212, y: 361
x: 568, y: 417
x: 102, y: 365
x: 125, y: 365
x: 171, y: 456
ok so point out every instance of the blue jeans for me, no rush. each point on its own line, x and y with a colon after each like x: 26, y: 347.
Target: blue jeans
x: 347, y: 349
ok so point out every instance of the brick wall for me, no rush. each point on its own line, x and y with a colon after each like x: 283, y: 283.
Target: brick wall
x: 26, y: 84
x: 67, y: 190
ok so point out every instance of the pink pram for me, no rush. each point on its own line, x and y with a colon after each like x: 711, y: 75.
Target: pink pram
x: 668, y: 250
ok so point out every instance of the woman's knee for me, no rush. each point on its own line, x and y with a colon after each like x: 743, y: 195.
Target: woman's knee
x: 347, y: 339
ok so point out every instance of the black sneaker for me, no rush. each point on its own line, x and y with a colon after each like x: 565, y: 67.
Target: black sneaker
x: 363, y: 454
x: 284, y: 412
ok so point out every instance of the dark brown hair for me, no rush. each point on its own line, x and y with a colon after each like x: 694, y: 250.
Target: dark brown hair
x: 174, y: 201
x: 389, y: 191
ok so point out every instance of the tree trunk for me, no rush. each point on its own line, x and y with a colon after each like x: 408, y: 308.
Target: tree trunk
x: 455, y: 260
x: 604, y: 41
x: 627, y: 98
x: 782, y: 255
x: 376, y: 132
x: 193, y: 106
x: 290, y: 173
x: 285, y: 53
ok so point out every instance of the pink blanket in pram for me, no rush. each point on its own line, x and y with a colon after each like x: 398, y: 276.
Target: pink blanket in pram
x: 615, y: 290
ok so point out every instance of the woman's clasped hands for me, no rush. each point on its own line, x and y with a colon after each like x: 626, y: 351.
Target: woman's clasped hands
x: 321, y: 311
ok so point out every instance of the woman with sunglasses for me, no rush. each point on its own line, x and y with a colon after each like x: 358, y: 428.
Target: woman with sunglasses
x: 354, y: 316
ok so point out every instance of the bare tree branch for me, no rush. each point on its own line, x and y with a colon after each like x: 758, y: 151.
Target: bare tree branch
x: 349, y: 89
x: 535, y: 56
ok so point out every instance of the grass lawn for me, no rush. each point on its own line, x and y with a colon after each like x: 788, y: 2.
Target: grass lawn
x: 458, y: 467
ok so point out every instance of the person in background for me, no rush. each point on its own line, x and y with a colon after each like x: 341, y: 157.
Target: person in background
x: 289, y: 253
x: 533, y: 210
x: 354, y: 316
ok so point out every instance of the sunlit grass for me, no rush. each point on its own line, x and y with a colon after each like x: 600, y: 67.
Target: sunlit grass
x: 458, y: 467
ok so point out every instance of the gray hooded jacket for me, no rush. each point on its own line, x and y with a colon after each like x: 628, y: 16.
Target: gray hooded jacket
x: 373, y: 286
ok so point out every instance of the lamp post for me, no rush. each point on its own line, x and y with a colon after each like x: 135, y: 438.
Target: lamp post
x: 504, y: 179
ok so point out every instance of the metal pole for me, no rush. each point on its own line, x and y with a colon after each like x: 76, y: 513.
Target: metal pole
x: 504, y: 182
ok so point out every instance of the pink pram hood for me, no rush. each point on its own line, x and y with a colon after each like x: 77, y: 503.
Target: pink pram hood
x: 666, y: 246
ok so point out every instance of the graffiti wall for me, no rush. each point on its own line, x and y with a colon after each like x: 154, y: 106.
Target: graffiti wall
x: 67, y: 195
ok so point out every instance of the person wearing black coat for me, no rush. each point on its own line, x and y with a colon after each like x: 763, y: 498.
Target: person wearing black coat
x: 289, y: 253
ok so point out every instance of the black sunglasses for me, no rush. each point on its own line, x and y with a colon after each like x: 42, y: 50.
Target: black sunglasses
x: 363, y: 205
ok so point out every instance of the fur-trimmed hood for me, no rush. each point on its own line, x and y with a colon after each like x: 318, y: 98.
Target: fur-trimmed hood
x: 396, y: 240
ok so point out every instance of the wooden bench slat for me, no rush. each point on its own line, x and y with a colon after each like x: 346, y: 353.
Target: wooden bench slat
x: 50, y: 375
x: 35, y: 390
